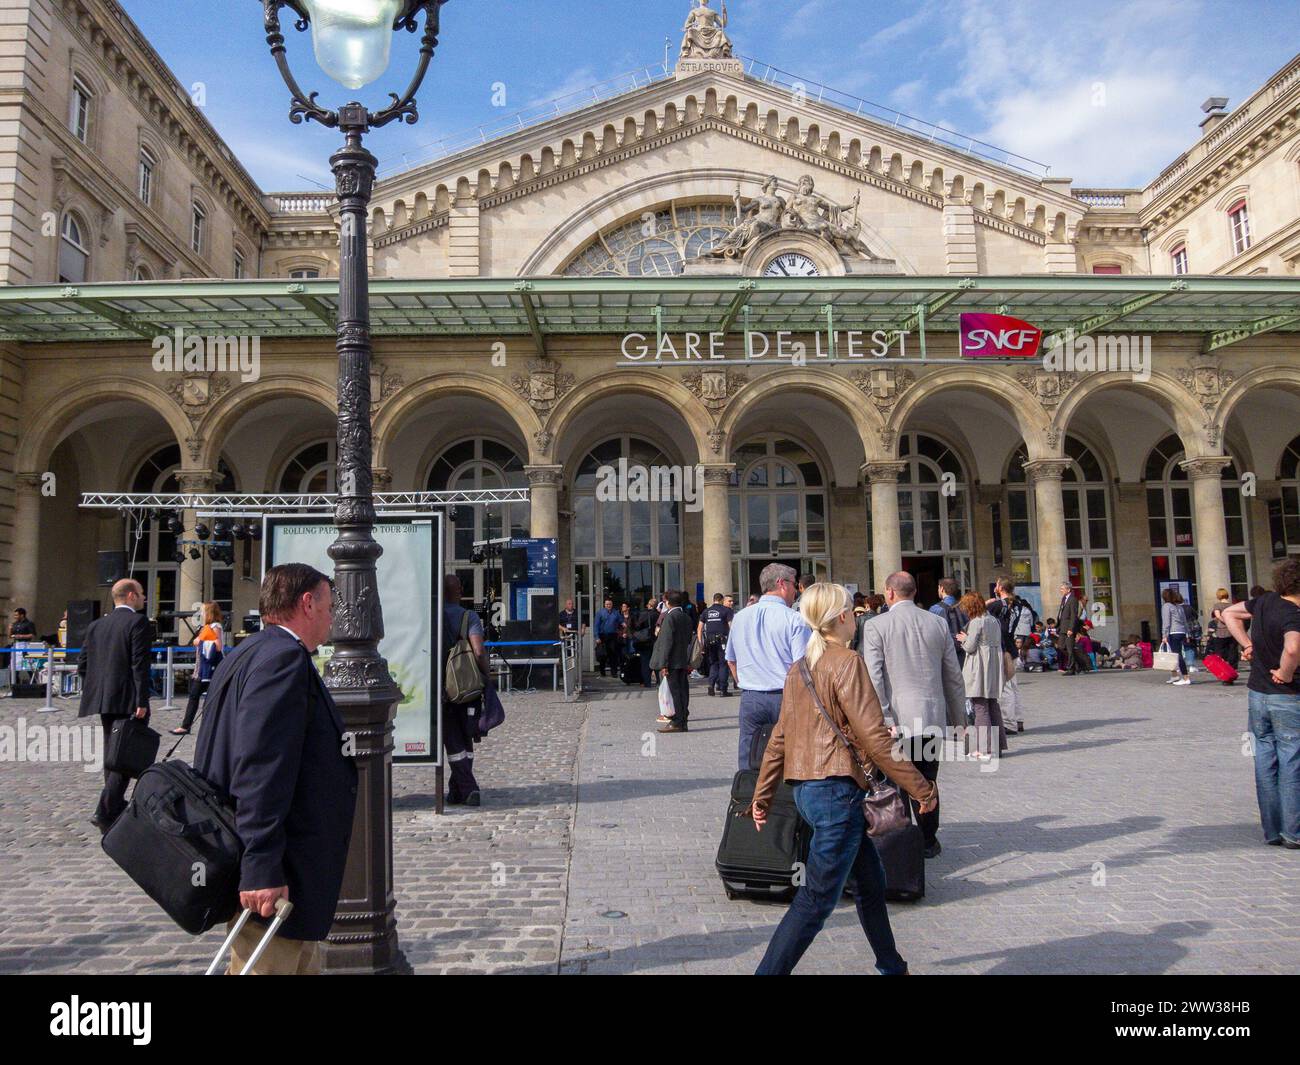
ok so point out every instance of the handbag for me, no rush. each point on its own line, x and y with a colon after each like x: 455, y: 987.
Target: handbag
x: 465, y: 681
x: 697, y: 654
x: 884, y: 806
x: 1164, y: 658
x: 132, y: 747
x: 494, y: 714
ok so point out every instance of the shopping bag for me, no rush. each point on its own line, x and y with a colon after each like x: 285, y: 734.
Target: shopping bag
x: 666, y: 708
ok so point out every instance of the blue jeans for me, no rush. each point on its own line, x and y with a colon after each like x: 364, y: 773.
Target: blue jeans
x: 758, y: 710
x: 1275, y: 725
x: 839, y: 844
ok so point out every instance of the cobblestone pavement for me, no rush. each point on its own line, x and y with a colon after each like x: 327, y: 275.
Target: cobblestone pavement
x: 1120, y: 835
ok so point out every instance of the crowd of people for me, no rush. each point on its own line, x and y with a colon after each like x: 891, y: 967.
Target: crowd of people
x: 888, y: 676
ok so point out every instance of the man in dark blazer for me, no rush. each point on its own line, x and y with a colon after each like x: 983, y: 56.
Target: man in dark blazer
x: 273, y: 741
x: 114, y: 666
x: 672, y: 654
x: 1067, y: 620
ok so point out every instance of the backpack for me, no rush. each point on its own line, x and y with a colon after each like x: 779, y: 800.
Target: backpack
x: 464, y: 681
x: 953, y: 617
x: 1194, y: 629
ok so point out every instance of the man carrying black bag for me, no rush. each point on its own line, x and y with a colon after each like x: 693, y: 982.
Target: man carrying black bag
x: 114, y: 665
x: 273, y: 741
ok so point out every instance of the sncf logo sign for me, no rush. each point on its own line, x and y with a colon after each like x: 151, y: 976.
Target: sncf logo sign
x: 997, y: 336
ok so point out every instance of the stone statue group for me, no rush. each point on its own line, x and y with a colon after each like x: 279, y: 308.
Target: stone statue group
x: 807, y: 211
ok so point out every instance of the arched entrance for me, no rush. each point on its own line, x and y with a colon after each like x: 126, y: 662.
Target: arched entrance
x: 1172, y: 529
x: 1089, y: 536
x: 778, y: 511
x: 934, y: 514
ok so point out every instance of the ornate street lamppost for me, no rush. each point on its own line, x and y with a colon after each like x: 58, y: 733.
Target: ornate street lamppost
x: 353, y: 41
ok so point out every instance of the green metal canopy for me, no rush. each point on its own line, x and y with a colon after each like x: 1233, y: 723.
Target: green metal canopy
x: 1226, y: 309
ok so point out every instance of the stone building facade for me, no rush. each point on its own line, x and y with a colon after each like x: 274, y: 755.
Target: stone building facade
x: 113, y: 182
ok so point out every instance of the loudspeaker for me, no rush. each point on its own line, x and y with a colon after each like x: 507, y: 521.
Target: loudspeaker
x: 545, y: 617
x: 514, y: 565
x: 81, y: 612
x: 112, y: 566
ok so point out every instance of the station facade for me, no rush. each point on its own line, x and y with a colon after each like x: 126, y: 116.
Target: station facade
x: 725, y: 186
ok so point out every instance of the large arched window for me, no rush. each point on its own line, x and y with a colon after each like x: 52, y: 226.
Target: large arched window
x: 1171, y: 525
x: 1285, y: 532
x: 1088, y: 535
x: 778, y: 511
x: 74, y: 251
x: 468, y: 466
x: 154, y: 546
x: 311, y: 470
x: 934, y: 515
x: 655, y: 245
x: 625, y: 548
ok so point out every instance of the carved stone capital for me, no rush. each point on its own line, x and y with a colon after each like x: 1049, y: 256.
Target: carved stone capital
x: 1205, y: 466
x: 1046, y: 469
x: 30, y: 482
x: 883, y: 472
x: 544, y: 438
x: 544, y: 476
x: 195, y: 482
x: 719, y: 474
x: 384, y: 383
x: 382, y: 478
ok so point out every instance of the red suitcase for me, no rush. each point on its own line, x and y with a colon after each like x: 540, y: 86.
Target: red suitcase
x: 1221, y: 670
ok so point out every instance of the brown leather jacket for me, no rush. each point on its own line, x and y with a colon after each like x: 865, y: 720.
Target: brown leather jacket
x: 803, y: 746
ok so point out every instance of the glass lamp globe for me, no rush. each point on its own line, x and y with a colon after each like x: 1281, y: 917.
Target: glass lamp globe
x: 353, y: 38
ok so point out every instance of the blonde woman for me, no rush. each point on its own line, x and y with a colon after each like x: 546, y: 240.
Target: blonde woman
x: 982, y: 671
x: 208, y: 647
x: 806, y: 751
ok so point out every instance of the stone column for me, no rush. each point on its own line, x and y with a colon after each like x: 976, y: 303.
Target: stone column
x: 886, y: 538
x: 189, y: 587
x: 716, y: 516
x: 1208, y: 526
x: 1134, y: 597
x: 24, y: 561
x: 1049, y: 509
x: 544, y: 500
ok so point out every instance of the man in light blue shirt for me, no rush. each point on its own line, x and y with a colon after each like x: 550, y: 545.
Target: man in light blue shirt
x: 766, y: 639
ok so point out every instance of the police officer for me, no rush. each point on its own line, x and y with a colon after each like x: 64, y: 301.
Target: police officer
x: 714, y: 626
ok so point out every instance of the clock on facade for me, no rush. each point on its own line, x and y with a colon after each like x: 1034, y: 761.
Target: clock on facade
x: 791, y: 264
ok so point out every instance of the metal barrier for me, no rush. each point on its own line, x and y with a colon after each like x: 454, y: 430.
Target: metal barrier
x: 48, y: 653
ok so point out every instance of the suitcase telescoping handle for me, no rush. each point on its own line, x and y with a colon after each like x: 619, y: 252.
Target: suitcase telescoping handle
x: 283, y: 907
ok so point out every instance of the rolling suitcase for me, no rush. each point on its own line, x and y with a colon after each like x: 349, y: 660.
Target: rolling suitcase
x: 1220, y: 668
x: 761, y: 864
x: 283, y: 907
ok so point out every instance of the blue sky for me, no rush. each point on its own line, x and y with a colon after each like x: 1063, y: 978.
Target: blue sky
x: 1106, y: 91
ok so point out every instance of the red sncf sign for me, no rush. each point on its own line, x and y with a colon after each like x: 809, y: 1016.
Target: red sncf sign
x: 997, y: 336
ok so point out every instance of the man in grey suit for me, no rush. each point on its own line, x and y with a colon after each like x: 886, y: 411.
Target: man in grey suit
x: 913, y: 665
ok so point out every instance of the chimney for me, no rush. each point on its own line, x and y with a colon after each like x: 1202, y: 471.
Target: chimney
x: 1216, y: 110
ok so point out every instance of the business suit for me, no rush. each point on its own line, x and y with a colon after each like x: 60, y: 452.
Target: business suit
x: 272, y: 740
x: 913, y: 665
x: 1067, y: 617
x: 114, y: 665
x: 672, y: 653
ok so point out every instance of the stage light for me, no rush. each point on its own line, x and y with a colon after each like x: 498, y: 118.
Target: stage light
x: 195, y: 553
x: 254, y: 531
x: 237, y: 530
x: 201, y: 531
x: 174, y: 524
x: 221, y: 529
x: 153, y: 514
x: 180, y: 558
